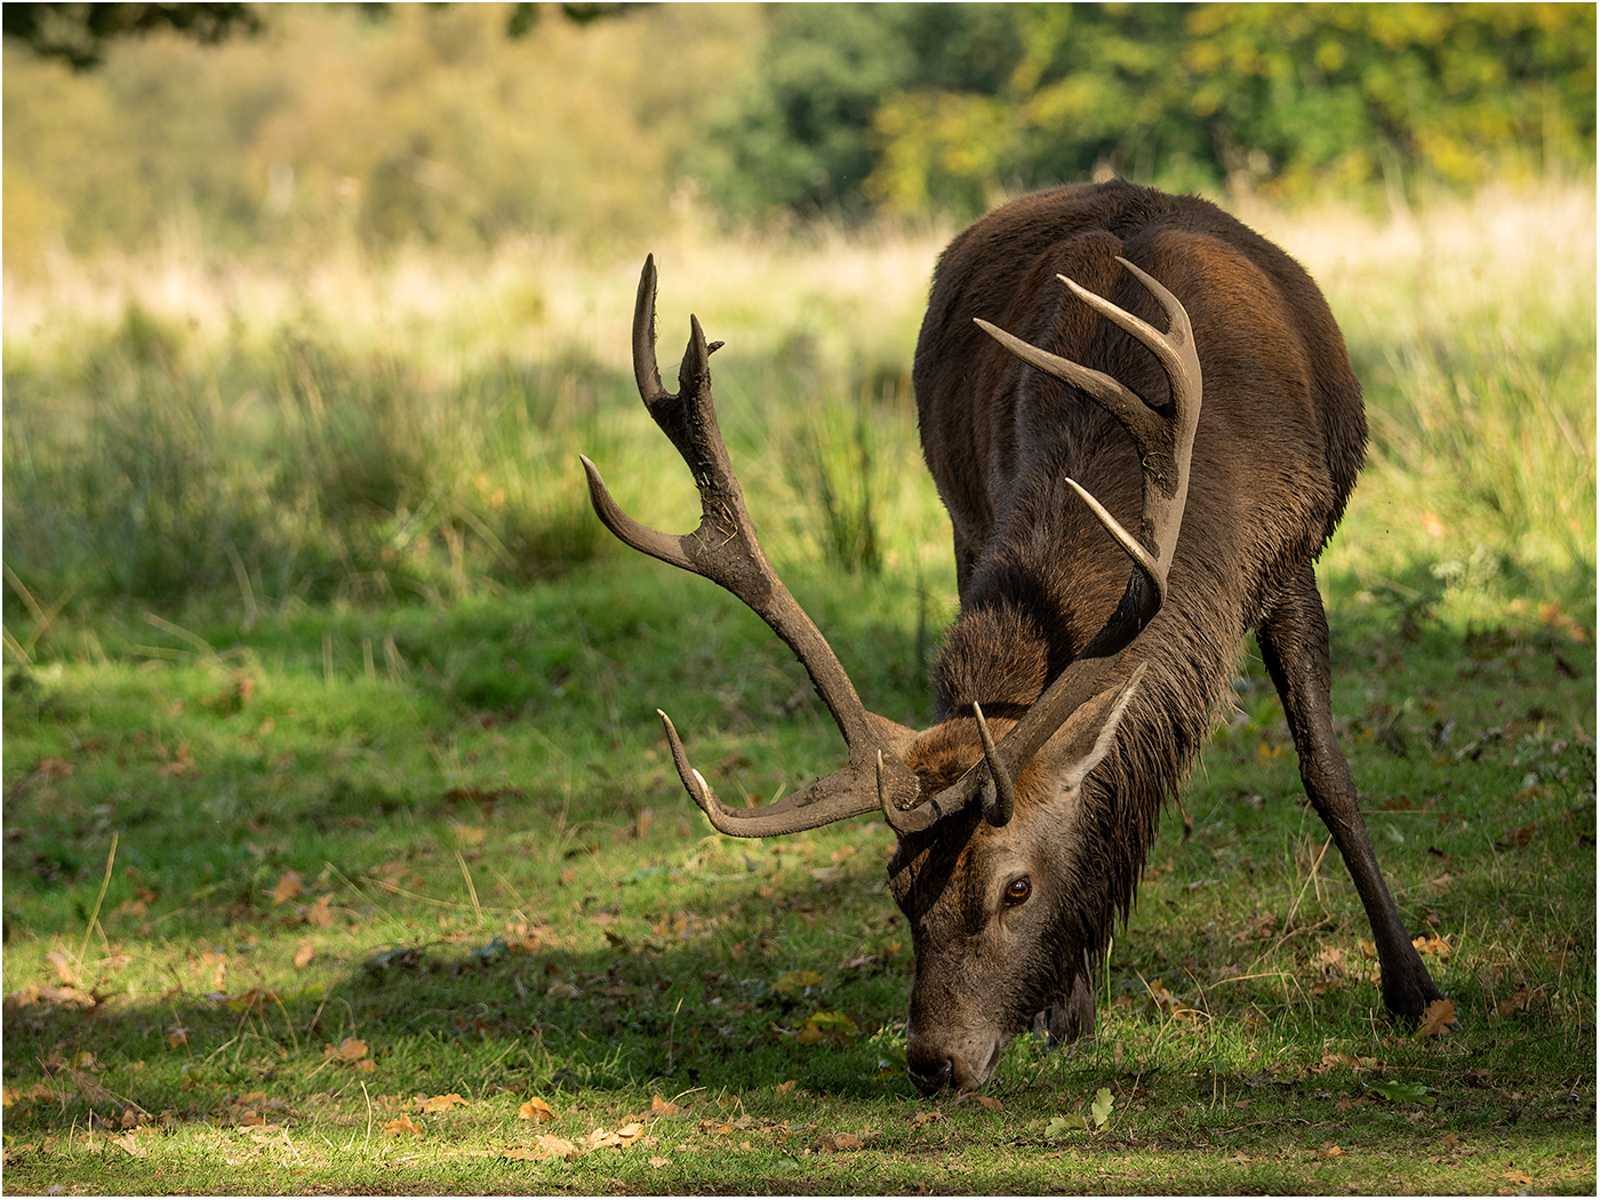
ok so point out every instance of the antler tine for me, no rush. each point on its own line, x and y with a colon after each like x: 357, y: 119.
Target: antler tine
x: 725, y: 549
x: 1165, y: 441
x: 997, y: 811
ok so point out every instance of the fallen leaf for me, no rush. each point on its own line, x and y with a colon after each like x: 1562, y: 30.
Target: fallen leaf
x: 992, y: 1103
x: 1061, y: 1126
x: 1519, y: 1177
x: 657, y: 1161
x: 54, y: 768
x: 1432, y: 943
x: 402, y: 1125
x: 841, y: 1141
x: 794, y: 981
x: 1328, y: 1152
x: 1438, y: 1014
x: 350, y: 1050
x: 1524, y: 998
x: 537, y: 1111
x: 289, y: 886
x: 182, y: 763
x: 1100, y: 1110
x: 320, y: 914
x: 1402, y: 1093
x: 551, y: 1146
x: 63, y: 968
x: 601, y: 1139
x: 127, y: 1143
x: 784, y: 1088
x: 663, y: 1108
x: 435, y: 1104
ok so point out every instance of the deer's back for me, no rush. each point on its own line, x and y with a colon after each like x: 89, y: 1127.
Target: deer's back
x: 1282, y: 431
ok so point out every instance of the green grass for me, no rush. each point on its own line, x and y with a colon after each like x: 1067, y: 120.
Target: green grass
x: 338, y: 768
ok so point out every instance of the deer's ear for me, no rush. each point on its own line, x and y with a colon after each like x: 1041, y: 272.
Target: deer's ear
x: 1086, y: 737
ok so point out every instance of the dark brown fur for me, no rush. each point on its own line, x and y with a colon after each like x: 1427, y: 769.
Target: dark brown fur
x: 1281, y: 437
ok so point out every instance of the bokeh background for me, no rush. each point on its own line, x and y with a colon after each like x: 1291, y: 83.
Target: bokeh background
x: 322, y: 301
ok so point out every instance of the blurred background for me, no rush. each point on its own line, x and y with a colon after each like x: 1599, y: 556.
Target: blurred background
x: 320, y: 301
x: 291, y: 128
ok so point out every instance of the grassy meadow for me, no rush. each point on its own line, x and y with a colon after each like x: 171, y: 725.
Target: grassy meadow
x: 342, y: 851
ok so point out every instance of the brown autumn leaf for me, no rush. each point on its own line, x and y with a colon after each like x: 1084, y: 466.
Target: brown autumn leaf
x: 784, y: 1088
x: 1432, y: 943
x: 841, y: 1141
x: 1524, y: 998
x: 536, y: 1110
x: 289, y: 886
x: 177, y: 1036
x: 1519, y: 1177
x: 1436, y: 1016
x: 350, y: 1050
x: 403, y: 1125
x: 1520, y: 836
x: 548, y: 1145
x: 54, y: 768
x: 989, y: 1102
x: 303, y: 955
x: 181, y: 763
x: 663, y: 1108
x: 1328, y: 1152
x: 127, y: 1143
x: 320, y: 914
x: 657, y: 1161
x: 601, y: 1139
x: 436, y: 1104
x: 63, y: 968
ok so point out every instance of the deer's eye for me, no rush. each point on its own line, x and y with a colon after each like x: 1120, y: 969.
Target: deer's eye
x: 1018, y: 891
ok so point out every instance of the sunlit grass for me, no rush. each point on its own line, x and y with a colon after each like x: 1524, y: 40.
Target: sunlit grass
x: 188, y: 420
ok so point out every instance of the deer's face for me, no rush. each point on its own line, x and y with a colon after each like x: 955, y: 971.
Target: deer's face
x: 999, y: 938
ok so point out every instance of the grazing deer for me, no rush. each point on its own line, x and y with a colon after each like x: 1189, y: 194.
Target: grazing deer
x: 1073, y: 692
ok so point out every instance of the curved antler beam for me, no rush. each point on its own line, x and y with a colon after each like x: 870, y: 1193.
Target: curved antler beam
x: 725, y: 549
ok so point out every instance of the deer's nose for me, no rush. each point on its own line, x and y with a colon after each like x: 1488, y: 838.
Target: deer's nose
x: 931, y: 1075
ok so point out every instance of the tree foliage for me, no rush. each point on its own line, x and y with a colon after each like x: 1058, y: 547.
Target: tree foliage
x: 465, y: 125
x: 78, y: 34
x: 919, y: 107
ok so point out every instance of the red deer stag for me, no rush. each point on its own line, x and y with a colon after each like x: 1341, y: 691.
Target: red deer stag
x: 1073, y: 692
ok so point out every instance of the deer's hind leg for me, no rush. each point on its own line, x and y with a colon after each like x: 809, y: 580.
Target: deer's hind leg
x: 1294, y: 642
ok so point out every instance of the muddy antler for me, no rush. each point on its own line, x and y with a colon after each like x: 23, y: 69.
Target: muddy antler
x: 725, y: 549
x: 1165, y: 441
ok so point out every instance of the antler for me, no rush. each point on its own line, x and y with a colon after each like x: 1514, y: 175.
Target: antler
x: 724, y: 548
x: 1165, y: 441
